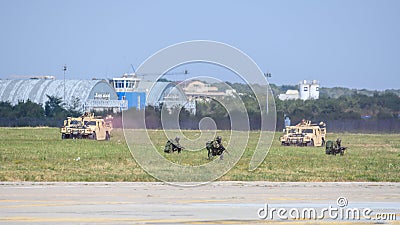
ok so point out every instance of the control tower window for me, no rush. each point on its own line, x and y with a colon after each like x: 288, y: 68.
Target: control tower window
x: 119, y: 84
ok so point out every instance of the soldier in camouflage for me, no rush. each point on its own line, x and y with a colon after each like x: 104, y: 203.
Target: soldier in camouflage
x: 215, y: 147
x: 173, y: 145
x: 334, y: 148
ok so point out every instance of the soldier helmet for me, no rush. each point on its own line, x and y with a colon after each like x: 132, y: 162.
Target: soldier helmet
x: 338, y: 140
x: 218, y: 138
x: 177, y: 138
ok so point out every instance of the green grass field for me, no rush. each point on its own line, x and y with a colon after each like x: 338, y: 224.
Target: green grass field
x: 39, y: 154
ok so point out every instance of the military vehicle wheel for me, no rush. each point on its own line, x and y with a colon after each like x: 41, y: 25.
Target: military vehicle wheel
x: 311, y: 143
x: 62, y: 136
x: 107, y: 136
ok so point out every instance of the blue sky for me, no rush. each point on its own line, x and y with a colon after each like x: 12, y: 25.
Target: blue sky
x: 350, y: 43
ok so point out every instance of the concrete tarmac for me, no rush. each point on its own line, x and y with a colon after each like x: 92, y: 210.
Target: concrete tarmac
x: 213, y: 203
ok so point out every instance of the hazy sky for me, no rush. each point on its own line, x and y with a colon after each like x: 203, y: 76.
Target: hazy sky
x: 351, y: 43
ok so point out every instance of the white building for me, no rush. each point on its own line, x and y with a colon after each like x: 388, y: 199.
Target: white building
x: 314, y: 90
x: 307, y: 90
x: 198, y: 89
x: 289, y: 95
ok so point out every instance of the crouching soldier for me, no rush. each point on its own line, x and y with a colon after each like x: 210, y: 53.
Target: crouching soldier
x: 173, y: 145
x: 334, y: 148
x: 215, y: 147
x: 340, y: 148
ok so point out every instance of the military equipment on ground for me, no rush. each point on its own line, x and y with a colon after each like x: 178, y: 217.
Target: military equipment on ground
x: 87, y: 126
x: 215, y: 147
x: 334, y: 148
x: 173, y: 146
x: 304, y: 134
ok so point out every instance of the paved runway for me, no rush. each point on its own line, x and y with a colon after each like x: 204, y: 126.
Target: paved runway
x: 213, y: 203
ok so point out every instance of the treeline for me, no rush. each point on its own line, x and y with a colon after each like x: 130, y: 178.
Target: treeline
x: 355, y: 107
x: 351, y: 105
x: 333, y: 92
x: 346, y: 113
x: 176, y: 118
x: 358, y: 112
x: 379, y: 112
x: 28, y: 113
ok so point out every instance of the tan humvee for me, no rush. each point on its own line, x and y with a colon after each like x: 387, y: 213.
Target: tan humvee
x: 98, y: 129
x: 304, y: 134
x: 86, y: 126
x: 69, y: 124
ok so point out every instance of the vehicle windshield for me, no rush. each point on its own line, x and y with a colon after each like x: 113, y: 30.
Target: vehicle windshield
x: 74, y: 122
x: 308, y: 131
x: 292, y: 131
x: 91, y: 123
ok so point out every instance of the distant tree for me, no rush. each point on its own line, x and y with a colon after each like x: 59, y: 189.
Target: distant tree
x: 75, y: 108
x: 384, y: 114
x: 153, y: 117
x: 28, y: 109
x: 284, y: 88
x: 54, y: 107
x: 390, y: 101
x: 6, y: 110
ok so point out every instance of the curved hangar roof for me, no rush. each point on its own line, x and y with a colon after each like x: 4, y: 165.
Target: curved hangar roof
x: 163, y: 92
x: 36, y: 90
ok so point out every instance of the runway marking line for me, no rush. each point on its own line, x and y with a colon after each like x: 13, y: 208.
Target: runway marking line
x: 65, y: 204
x: 187, y: 221
x: 200, y: 201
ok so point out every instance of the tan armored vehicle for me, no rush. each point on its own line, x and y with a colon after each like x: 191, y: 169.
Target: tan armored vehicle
x: 304, y: 134
x: 97, y: 128
x: 70, y: 124
x: 86, y: 126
